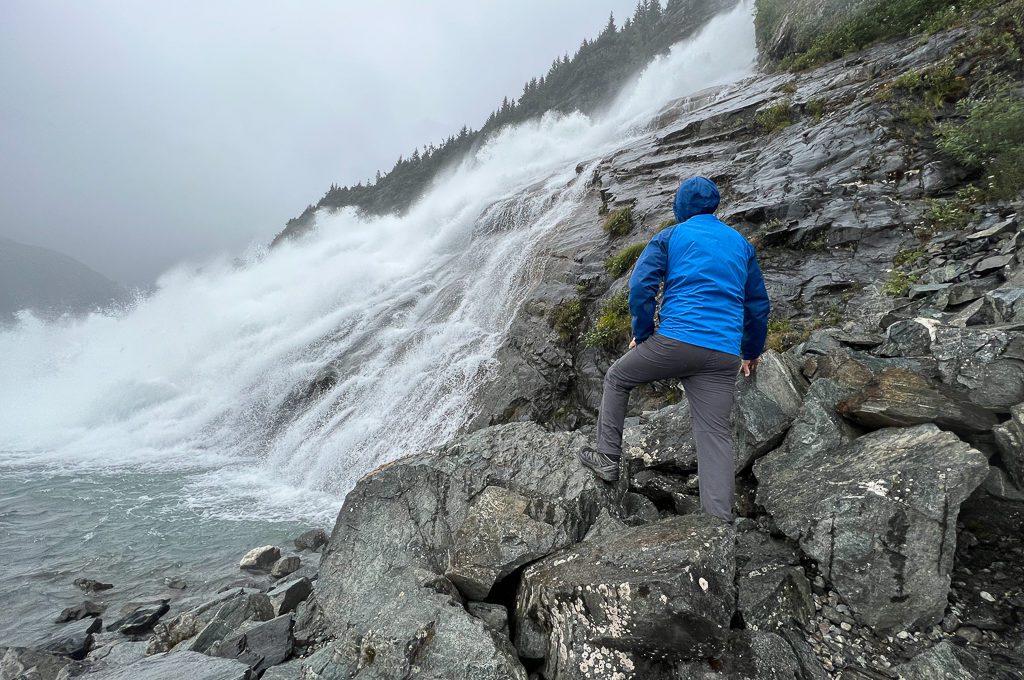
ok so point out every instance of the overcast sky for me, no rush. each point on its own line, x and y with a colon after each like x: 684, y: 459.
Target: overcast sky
x: 137, y: 134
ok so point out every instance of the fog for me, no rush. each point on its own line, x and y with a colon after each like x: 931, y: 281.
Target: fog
x: 136, y: 135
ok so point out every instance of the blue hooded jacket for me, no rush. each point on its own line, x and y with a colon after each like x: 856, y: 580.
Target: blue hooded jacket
x: 714, y: 291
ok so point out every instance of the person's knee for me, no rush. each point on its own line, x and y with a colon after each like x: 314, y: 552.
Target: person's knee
x: 613, y: 377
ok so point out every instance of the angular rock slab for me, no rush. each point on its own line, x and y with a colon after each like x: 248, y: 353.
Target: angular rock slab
x: 631, y: 602
x: 899, y: 397
x: 382, y: 589
x: 260, y: 559
x: 260, y: 647
x: 287, y: 595
x: 765, y: 407
x: 878, y: 514
x: 502, y: 532
x: 772, y: 588
x: 988, y: 362
x: 31, y: 664
x: 179, y: 666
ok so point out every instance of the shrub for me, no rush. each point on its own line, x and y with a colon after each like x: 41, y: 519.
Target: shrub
x: 614, y: 325
x: 622, y: 261
x: 782, y: 335
x: 989, y: 140
x: 816, y: 107
x: 620, y: 222
x: 665, y: 224
x: 898, y: 283
x: 775, y: 117
x: 567, y: 318
x: 908, y: 257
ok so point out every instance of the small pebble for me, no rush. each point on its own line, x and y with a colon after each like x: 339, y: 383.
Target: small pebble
x: 845, y: 626
x: 987, y: 596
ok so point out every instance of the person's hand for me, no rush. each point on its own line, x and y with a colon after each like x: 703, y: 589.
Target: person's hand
x: 632, y: 343
x: 748, y: 366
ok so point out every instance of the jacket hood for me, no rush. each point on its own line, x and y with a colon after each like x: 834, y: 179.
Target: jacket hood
x: 696, y: 196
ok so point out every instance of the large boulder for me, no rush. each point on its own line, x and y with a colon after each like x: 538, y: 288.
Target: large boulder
x: 75, y: 639
x: 878, y: 514
x: 899, y: 397
x: 261, y: 646
x: 139, y: 617
x: 382, y: 589
x: 987, y: 362
x: 260, y: 559
x: 772, y: 589
x: 211, y: 621
x: 17, y: 663
x: 749, y: 655
x: 630, y: 601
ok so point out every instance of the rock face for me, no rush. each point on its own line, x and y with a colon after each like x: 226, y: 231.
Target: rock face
x: 261, y: 646
x: 387, y: 598
x: 17, y: 663
x: 1010, y: 439
x: 632, y: 602
x: 879, y: 515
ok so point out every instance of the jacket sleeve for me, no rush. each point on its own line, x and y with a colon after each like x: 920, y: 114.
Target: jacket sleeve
x: 755, y: 311
x: 648, y: 273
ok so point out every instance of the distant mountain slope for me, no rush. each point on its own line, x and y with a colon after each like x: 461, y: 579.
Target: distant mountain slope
x: 49, y: 282
x: 585, y: 82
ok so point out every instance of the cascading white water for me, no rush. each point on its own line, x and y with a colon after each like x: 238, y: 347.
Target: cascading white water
x: 391, y: 321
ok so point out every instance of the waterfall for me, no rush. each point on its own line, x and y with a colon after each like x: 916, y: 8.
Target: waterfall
x: 274, y: 381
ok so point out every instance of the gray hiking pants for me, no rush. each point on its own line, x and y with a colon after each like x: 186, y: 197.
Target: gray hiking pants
x: 709, y: 379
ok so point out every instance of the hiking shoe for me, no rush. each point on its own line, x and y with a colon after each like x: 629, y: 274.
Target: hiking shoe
x: 603, y: 466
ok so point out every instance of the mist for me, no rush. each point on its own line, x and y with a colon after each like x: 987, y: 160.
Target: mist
x: 134, y: 136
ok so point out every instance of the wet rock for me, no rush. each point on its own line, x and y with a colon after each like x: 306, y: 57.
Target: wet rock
x: 900, y: 398
x: 634, y: 599
x: 74, y: 639
x: 968, y: 291
x: 176, y: 666
x: 750, y: 655
x: 312, y: 540
x: 1010, y: 440
x: 260, y: 559
x: 285, y: 566
x: 139, y: 617
x: 665, y: 490
x: 878, y: 514
x: 389, y: 599
x: 175, y: 583
x: 604, y: 525
x: 234, y: 606
x: 662, y: 440
x: 229, y: 617
x: 286, y: 671
x: 118, y: 654
x: 85, y: 610
x: 91, y: 585
x: 503, y: 531
x: 999, y: 485
x: 286, y: 596
x: 772, y: 589
x: 261, y: 646
x: 942, y: 661
x: 18, y: 663
x: 1003, y: 305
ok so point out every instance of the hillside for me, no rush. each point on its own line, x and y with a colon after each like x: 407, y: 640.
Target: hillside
x: 49, y: 282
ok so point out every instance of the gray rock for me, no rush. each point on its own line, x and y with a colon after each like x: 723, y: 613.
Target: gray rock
x: 604, y: 525
x: 494, y: 615
x: 987, y: 362
x: 18, y: 663
x: 139, y: 617
x: 1010, y: 440
x: 637, y: 597
x: 228, y: 610
x: 1003, y: 305
x: 286, y: 671
x: 260, y: 559
x: 286, y: 565
x: 907, y: 338
x: 175, y: 583
x: 750, y: 655
x: 900, y: 398
x: 261, y: 646
x: 229, y: 617
x: 85, y: 610
x: 665, y: 490
x: 503, y: 531
x: 387, y: 599
x: 967, y: 291
x: 74, y: 640
x: 91, y: 585
x: 772, y: 589
x: 312, y: 540
x: 879, y: 515
x: 118, y: 654
x: 998, y: 484
x: 765, y: 407
x: 942, y: 661
x: 993, y: 263
x: 177, y: 666
x: 286, y: 596
x: 662, y: 440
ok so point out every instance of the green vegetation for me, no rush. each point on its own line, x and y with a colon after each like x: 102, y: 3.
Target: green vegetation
x: 568, y: 318
x: 869, y: 25
x: 775, y: 117
x: 923, y: 93
x: 816, y: 108
x: 956, y: 213
x: 789, y: 87
x: 665, y: 224
x: 622, y: 261
x: 613, y: 328
x: 898, y: 283
x: 782, y: 335
x: 908, y: 257
x: 989, y: 140
x: 620, y: 222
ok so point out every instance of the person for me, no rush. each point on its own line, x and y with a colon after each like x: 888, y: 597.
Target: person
x: 713, y: 324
